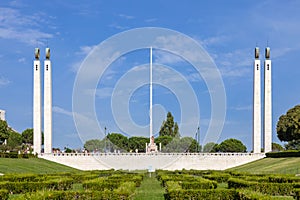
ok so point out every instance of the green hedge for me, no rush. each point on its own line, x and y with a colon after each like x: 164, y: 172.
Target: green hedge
x: 4, y: 194
x: 219, y: 177
x: 199, y: 183
x: 297, y: 193
x: 253, y: 195
x: 224, y: 194
x: 284, y: 154
x: 67, y: 195
x: 284, y: 179
x: 265, y: 188
x: 16, y: 155
x: 100, y: 184
x: 23, y: 187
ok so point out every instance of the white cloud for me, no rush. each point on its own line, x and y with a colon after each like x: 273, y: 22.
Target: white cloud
x: 126, y: 16
x: 163, y: 57
x: 4, y: 81
x: 117, y: 26
x: 22, y: 60
x: 60, y: 110
x: 216, y: 40
x: 24, y: 28
x: 81, y: 54
x: 243, y: 108
x: 85, y: 50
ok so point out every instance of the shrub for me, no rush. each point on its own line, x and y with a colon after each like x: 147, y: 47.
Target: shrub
x: 283, y: 154
x: 199, y: 183
x: 4, y: 194
x: 263, y: 187
x: 224, y: 194
x: 219, y: 177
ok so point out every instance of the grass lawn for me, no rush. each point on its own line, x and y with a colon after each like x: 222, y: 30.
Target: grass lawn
x: 271, y: 166
x: 32, y: 165
x: 150, y: 189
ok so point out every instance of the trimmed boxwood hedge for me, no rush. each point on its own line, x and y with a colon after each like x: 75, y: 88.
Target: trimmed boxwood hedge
x: 16, y: 155
x: 283, y: 154
x: 224, y: 194
x: 4, y: 194
x: 263, y: 187
x: 23, y: 187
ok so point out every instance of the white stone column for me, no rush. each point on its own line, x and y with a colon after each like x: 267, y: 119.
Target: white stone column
x: 2, y: 115
x: 47, y: 103
x: 268, y: 103
x: 37, y: 104
x: 256, y: 104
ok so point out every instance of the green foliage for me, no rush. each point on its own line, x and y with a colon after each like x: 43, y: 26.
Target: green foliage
x: 276, y: 147
x: 288, y: 126
x: 94, y: 145
x: 293, y: 145
x: 223, y: 194
x: 14, y: 140
x: 4, y: 194
x: 138, y: 143
x: 263, y: 187
x: 119, y: 141
x: 283, y: 154
x: 66, y: 195
x: 185, y: 144
x: 169, y: 127
x: 27, y: 136
x: 210, y: 147
x: 232, y: 145
x: 164, y: 140
x: 4, y: 133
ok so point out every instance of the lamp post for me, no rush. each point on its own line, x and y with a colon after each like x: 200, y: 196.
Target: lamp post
x: 105, y: 139
x: 198, y: 139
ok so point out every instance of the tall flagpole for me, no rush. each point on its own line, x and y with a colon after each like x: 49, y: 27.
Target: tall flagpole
x: 151, y: 128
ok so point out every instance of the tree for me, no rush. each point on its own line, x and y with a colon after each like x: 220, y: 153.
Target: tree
x: 169, y: 127
x: 4, y: 133
x: 288, y: 127
x: 14, y: 140
x: 164, y: 140
x: 119, y: 141
x: 293, y: 145
x: 27, y: 136
x: 188, y: 144
x: 138, y: 143
x: 231, y: 145
x: 210, y: 147
x: 276, y: 147
x: 94, y: 145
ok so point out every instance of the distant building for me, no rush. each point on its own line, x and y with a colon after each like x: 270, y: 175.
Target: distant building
x: 2, y: 115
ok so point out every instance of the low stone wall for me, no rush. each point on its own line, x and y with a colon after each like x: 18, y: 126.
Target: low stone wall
x: 138, y: 161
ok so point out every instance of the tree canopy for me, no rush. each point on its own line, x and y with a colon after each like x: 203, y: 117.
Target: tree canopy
x: 232, y: 145
x: 4, y: 131
x: 210, y: 147
x: 288, y: 126
x: 169, y: 127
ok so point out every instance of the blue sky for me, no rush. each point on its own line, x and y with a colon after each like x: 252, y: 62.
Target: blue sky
x: 227, y: 30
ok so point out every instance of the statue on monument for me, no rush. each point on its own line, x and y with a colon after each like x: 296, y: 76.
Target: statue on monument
x: 152, y: 147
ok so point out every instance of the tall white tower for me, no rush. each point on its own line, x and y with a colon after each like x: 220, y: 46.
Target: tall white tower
x: 268, y: 103
x: 47, y: 103
x: 37, y: 103
x: 256, y: 104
